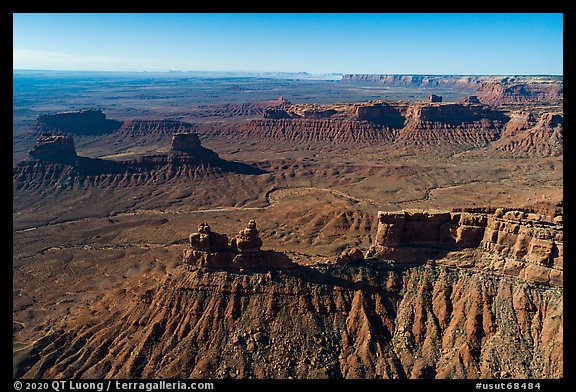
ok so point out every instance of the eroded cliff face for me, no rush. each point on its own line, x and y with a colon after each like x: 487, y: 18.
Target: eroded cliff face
x: 153, y: 128
x: 514, y: 243
x: 231, y: 310
x: 417, y: 81
x: 53, y: 164
x: 524, y: 245
x: 528, y: 134
x: 80, y: 122
x: 55, y: 147
x: 409, y: 126
x: 403, y: 123
x: 493, y: 90
x: 355, y: 321
x: 512, y: 91
x: 337, y: 131
x: 390, y: 116
x: 254, y: 108
x: 421, y: 236
x: 412, y: 126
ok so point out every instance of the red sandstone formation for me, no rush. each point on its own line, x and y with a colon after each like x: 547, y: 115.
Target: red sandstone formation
x: 248, y: 240
x: 52, y: 164
x: 510, y: 91
x: 208, y: 249
x: 451, y: 123
x: 186, y: 160
x: 546, y: 210
x: 276, y: 113
x: 337, y: 131
x: 523, y: 245
x: 349, y: 321
x: 185, y: 141
x: 397, y: 122
x: 434, y: 98
x: 211, y: 250
x: 416, y: 236
x: 453, y: 113
x: 256, y: 108
x: 417, y: 81
x: 512, y: 243
x: 206, y: 240
x: 54, y: 147
x: 383, y: 113
x: 467, y: 124
x: 81, y: 122
x: 156, y: 128
x: 526, y: 134
x: 186, y: 148
x: 494, y: 90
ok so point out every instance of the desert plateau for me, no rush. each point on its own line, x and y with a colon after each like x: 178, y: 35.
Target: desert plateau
x: 287, y: 225
x: 395, y: 238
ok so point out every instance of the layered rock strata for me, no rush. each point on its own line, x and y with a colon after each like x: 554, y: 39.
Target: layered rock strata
x: 528, y: 134
x: 509, y: 242
x: 390, y: 116
x: 212, y: 251
x: 240, y: 312
x: 54, y: 147
x: 468, y: 124
x: 461, y: 125
x: 453, y: 113
x: 417, y: 81
x: 420, y: 236
x: 153, y: 128
x: 54, y: 163
x: 358, y: 321
x: 509, y: 91
x: 451, y: 123
x: 332, y: 130
x: 493, y: 90
x: 521, y: 244
x: 79, y: 122
x: 254, y: 108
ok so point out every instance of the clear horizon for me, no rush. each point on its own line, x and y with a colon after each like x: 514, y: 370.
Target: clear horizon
x: 410, y: 44
x: 259, y: 72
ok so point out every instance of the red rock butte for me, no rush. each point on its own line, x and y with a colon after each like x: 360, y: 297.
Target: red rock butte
x: 54, y: 147
x: 185, y: 141
x: 212, y: 251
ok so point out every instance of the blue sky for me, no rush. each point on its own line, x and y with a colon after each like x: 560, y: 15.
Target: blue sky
x: 522, y: 43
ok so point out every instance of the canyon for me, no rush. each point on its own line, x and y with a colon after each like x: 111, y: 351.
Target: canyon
x: 386, y: 124
x: 240, y: 312
x: 256, y: 228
